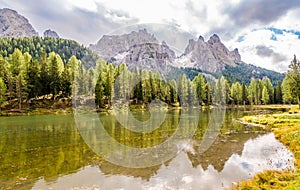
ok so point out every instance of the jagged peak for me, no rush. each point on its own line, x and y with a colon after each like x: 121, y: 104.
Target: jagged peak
x: 143, y: 30
x: 201, y: 38
x: 214, y: 39
x: 50, y: 33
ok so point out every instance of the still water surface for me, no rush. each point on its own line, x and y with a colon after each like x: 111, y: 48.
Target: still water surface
x: 48, y: 152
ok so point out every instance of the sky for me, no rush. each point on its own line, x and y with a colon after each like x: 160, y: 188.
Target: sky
x: 266, y: 32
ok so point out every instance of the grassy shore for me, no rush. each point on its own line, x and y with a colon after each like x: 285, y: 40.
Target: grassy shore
x: 286, y: 127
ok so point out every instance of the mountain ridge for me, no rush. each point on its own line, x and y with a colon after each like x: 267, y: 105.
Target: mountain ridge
x: 143, y: 50
x: 12, y: 24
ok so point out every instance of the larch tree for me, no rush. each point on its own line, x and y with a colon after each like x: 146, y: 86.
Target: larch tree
x: 265, y: 96
x: 292, y: 81
x: 2, y: 91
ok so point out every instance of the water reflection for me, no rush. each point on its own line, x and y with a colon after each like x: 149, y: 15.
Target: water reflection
x: 42, y: 152
x: 180, y: 173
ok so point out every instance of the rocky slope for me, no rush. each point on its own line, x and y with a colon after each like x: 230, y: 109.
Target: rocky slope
x: 15, y: 25
x: 50, y: 33
x: 141, y: 49
x: 211, y: 56
x: 111, y: 45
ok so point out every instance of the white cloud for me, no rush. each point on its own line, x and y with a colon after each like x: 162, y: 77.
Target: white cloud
x: 280, y: 51
x: 89, y: 5
x: 90, y: 19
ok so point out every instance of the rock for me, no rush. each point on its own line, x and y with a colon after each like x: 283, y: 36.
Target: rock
x: 51, y: 33
x: 111, y: 45
x: 210, y: 56
x: 15, y: 25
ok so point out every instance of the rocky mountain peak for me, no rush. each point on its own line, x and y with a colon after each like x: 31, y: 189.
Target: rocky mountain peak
x: 50, y: 33
x: 214, y: 39
x: 201, y: 38
x: 111, y: 45
x: 210, y: 56
x: 13, y: 24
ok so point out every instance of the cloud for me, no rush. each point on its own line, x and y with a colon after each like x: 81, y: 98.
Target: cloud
x: 262, y: 11
x: 70, y: 21
x: 274, y: 22
x: 264, y: 51
x: 258, y: 47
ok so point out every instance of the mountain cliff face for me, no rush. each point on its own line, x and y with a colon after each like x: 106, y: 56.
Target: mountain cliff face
x: 111, y: 45
x: 210, y: 56
x: 151, y: 56
x: 14, y: 25
x: 141, y: 49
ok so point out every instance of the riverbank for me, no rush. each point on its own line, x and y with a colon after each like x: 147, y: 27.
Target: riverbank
x: 286, y: 127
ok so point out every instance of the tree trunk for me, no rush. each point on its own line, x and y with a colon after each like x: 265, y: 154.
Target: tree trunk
x: 299, y: 101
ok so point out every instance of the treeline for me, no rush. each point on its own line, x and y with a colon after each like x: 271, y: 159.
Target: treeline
x: 143, y: 86
x: 35, y: 46
x: 23, y: 78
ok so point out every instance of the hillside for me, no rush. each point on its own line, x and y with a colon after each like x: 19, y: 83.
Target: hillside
x: 36, y: 45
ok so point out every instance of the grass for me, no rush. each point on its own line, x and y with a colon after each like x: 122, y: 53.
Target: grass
x: 286, y: 127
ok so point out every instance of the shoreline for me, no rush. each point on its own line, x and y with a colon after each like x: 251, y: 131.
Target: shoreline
x: 286, y: 127
x: 66, y: 109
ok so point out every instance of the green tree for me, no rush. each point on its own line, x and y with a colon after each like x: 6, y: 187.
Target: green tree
x: 44, y: 75
x: 173, y: 91
x: 33, y: 79
x: 252, y: 91
x: 236, y: 93
x: 267, y: 83
x: 265, y: 95
x: 56, y: 67
x: 220, y: 94
x: 278, y: 93
x: 287, y: 91
x: 183, y: 90
x: 199, y: 83
x: 2, y: 92
x: 292, y: 81
x: 244, y: 93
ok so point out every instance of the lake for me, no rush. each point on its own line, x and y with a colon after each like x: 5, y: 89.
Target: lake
x: 160, y: 149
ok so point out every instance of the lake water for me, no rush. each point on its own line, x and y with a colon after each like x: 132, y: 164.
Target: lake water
x: 188, y: 150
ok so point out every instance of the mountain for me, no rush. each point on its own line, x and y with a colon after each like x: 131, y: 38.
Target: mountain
x: 15, y: 25
x: 51, y: 34
x: 111, y: 45
x: 211, y: 56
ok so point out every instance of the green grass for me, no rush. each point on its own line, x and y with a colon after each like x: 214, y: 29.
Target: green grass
x: 286, y: 128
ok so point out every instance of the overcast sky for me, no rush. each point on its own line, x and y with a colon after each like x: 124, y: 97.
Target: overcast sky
x: 266, y: 32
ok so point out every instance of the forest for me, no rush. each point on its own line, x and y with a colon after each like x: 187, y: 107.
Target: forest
x: 24, y: 78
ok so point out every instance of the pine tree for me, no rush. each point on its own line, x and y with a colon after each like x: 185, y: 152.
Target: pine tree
x: 183, y: 90
x: 33, y: 79
x: 278, y: 93
x: 267, y: 83
x: 2, y: 92
x: 244, y: 93
x: 44, y: 75
x: 291, y: 84
x: 265, y: 95
x: 199, y: 82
